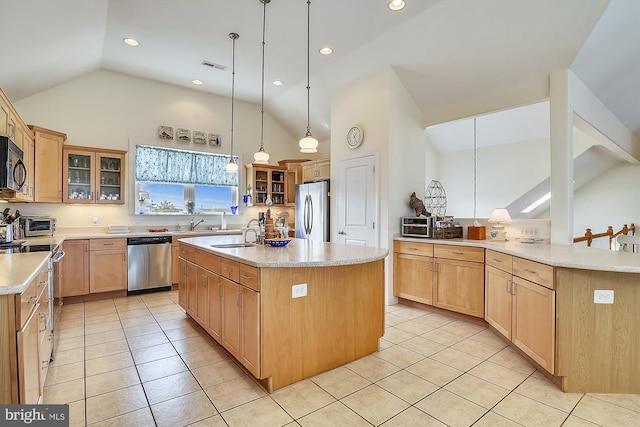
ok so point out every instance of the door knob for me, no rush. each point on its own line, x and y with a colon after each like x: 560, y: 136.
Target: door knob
x: 341, y: 232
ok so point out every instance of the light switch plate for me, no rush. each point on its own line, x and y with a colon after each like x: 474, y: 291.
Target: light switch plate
x: 603, y: 297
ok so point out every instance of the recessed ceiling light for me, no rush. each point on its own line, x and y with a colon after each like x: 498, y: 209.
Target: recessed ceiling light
x: 130, y: 41
x: 197, y: 82
x: 278, y: 82
x: 326, y: 50
x: 396, y: 4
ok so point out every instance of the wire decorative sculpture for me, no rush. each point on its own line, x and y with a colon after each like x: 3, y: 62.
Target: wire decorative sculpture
x: 435, y: 199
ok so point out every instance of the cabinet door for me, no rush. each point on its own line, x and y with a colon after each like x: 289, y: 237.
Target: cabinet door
x: 215, y: 307
x: 323, y: 170
x: 48, y: 170
x: 202, y: 298
x: 182, y: 283
x: 44, y: 337
x: 277, y: 187
x: 175, y: 264
x: 74, y: 268
x: 459, y: 286
x: 250, y: 330
x: 108, y: 271
x: 534, y: 324
x: 231, y: 317
x: 412, y: 277
x: 192, y: 289
x: 78, y: 176
x: 109, y: 178
x: 29, y: 362
x: 498, y: 301
x: 294, y: 177
x: 28, y: 148
x: 308, y: 173
x: 261, y: 185
x: 5, y: 112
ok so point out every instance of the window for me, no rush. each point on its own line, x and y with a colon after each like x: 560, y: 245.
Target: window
x: 181, y: 182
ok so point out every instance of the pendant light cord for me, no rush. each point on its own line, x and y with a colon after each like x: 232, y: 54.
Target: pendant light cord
x: 264, y: 24
x: 233, y: 36
x: 308, y: 86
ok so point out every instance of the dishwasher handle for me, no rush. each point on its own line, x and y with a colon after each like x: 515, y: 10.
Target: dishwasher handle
x: 156, y: 240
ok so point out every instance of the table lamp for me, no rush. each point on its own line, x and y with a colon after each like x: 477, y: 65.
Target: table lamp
x: 498, y: 217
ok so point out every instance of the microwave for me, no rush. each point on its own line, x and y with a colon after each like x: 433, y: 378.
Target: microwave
x: 33, y: 226
x: 13, y: 172
x: 417, y: 226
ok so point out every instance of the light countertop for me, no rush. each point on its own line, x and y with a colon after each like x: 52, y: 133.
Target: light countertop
x: 298, y: 253
x: 569, y: 256
x: 17, y: 270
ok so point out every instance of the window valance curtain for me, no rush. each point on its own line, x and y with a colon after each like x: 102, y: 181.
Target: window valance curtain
x: 157, y: 164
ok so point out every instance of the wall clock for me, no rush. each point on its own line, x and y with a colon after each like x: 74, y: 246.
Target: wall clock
x: 354, y: 137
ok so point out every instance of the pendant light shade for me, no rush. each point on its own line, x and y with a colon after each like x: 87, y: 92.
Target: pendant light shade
x: 308, y: 144
x: 261, y: 156
x: 232, y: 166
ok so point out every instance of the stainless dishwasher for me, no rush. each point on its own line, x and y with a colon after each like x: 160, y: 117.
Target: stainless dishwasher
x: 149, y: 264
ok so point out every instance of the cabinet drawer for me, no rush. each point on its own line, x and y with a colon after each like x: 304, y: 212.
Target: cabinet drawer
x: 250, y: 277
x: 25, y: 302
x: 106, y: 244
x: 424, y: 249
x: 206, y: 260
x: 500, y: 261
x: 461, y: 253
x: 230, y: 269
x: 187, y: 252
x: 535, y: 272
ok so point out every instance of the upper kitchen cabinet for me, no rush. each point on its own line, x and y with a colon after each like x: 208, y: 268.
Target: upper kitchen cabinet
x: 316, y: 170
x: 48, y: 165
x: 7, y: 117
x: 267, y: 180
x: 294, y: 177
x: 93, y: 175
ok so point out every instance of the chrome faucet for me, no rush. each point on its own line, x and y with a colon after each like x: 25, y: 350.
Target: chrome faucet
x: 259, y: 237
x: 193, y: 225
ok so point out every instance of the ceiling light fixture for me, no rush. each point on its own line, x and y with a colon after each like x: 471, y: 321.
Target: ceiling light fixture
x: 262, y: 157
x: 396, y: 4
x: 232, y: 166
x: 278, y: 82
x: 308, y: 144
x: 326, y: 50
x: 130, y: 41
x: 197, y: 82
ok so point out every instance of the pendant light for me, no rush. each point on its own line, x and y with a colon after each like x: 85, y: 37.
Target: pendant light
x: 261, y: 156
x: 308, y: 144
x: 232, y: 166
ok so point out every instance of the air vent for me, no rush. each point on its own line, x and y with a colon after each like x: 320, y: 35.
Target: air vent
x: 213, y: 65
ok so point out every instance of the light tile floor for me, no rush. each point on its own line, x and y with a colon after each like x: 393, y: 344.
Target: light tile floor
x: 140, y: 361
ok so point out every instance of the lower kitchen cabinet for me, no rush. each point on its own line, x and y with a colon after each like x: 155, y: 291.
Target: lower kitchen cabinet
x: 250, y: 329
x: 522, y: 309
x: 192, y: 289
x: 231, y: 317
x: 108, y: 260
x: 413, y: 271
x: 459, y: 286
x: 29, y: 361
x: 75, y: 268
x: 204, y: 278
x: 215, y: 308
x: 182, y: 283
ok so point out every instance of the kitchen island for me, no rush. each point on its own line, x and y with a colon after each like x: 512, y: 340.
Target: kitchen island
x: 285, y: 313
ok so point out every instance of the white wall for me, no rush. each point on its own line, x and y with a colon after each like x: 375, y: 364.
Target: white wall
x: 105, y: 109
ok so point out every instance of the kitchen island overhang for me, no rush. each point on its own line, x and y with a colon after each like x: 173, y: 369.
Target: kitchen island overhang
x: 285, y: 335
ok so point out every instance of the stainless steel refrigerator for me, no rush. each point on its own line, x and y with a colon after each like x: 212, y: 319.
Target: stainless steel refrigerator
x: 312, y: 211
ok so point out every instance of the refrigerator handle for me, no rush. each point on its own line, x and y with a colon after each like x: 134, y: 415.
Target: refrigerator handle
x: 310, y: 214
x: 306, y: 214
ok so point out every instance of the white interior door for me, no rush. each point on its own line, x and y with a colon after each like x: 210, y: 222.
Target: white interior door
x: 357, y: 213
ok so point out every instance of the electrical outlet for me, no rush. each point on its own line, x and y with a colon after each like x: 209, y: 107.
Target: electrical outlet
x: 602, y: 297
x: 95, y: 219
x: 298, y: 291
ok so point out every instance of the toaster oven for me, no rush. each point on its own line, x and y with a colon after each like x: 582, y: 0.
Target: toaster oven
x: 33, y: 226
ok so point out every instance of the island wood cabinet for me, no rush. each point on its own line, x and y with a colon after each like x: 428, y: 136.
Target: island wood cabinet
x: 25, y: 349
x: 520, y: 304
x: 93, y: 175
x: 316, y: 170
x: 108, y: 265
x: 75, y: 268
x: 220, y: 300
x: 449, y: 277
x: 48, y: 164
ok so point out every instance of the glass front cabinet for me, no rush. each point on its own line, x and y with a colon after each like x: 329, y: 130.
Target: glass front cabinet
x: 267, y: 180
x: 93, y: 175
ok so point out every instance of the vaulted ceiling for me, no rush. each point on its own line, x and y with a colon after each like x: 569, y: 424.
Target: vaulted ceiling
x: 453, y: 56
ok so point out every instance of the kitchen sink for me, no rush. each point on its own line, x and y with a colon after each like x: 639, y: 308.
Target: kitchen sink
x: 234, y: 245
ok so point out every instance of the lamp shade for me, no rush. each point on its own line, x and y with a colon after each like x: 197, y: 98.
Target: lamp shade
x: 500, y: 215
x: 261, y: 157
x: 231, y: 167
x: 308, y: 144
